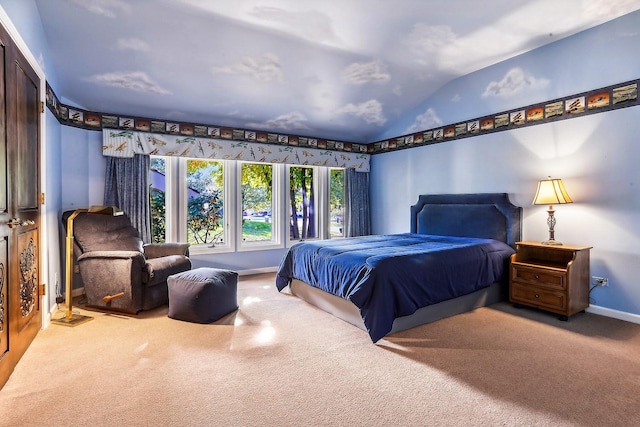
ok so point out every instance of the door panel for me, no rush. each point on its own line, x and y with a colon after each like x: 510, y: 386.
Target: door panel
x: 4, y: 326
x: 3, y: 128
x: 26, y: 161
x: 4, y: 230
x: 28, y: 306
x: 20, y: 299
x: 6, y: 365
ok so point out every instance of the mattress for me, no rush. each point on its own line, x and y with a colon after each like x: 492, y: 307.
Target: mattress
x: 390, y: 276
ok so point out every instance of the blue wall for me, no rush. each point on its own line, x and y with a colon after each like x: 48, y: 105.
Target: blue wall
x: 599, y: 57
x: 24, y: 17
x: 595, y: 155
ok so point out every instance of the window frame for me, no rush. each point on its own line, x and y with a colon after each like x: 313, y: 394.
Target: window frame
x: 276, y: 241
x: 319, y: 203
x: 228, y: 205
x: 327, y: 194
x: 176, y: 196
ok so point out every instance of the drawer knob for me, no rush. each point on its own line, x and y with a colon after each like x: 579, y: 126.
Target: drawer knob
x: 537, y: 277
x: 537, y: 296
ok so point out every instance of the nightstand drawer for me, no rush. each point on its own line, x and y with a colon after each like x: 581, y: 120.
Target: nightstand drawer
x: 538, y: 276
x: 530, y: 295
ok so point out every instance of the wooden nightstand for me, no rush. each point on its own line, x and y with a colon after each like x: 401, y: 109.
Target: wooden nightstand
x: 552, y: 278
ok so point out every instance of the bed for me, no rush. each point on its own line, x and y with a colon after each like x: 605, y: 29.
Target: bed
x: 455, y: 259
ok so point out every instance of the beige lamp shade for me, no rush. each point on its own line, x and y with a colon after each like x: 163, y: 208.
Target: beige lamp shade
x: 551, y: 192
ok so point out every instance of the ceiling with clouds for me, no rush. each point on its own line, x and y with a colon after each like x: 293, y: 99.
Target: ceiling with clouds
x: 336, y: 69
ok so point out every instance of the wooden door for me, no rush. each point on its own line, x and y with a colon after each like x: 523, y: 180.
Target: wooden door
x: 20, y: 311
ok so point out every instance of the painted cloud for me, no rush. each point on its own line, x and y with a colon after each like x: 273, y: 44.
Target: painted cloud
x: 515, y: 81
x: 427, y: 38
x: 105, y: 8
x: 427, y: 120
x: 285, y: 122
x: 369, y: 72
x: 370, y: 111
x: 133, y: 80
x: 133, y: 44
x: 264, y: 69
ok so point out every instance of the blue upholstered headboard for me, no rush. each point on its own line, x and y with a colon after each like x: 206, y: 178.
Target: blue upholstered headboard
x: 484, y: 215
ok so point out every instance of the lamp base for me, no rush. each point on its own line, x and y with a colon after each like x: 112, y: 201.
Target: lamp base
x: 74, y: 320
x: 551, y: 243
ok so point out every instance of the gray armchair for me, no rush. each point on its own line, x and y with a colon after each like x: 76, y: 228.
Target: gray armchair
x: 117, y: 271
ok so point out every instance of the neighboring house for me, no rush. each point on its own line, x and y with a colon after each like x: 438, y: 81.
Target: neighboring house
x: 158, y: 182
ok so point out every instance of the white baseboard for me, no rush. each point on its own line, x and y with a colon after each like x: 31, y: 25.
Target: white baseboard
x: 257, y: 271
x: 616, y: 314
x: 595, y: 309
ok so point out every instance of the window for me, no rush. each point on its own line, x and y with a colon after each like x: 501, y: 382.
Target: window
x: 302, y: 203
x: 205, y: 202
x: 157, y: 202
x: 257, y: 203
x: 226, y: 205
x: 336, y: 203
x: 188, y: 200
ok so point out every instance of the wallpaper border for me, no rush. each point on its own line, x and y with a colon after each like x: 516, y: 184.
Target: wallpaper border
x: 608, y: 98
x: 621, y: 95
x: 92, y: 120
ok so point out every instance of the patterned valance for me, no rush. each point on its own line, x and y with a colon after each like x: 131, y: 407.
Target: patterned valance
x: 126, y: 143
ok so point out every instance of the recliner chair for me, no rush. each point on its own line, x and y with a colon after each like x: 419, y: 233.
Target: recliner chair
x: 119, y: 272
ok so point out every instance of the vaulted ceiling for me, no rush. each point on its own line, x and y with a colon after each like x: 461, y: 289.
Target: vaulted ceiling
x: 336, y: 69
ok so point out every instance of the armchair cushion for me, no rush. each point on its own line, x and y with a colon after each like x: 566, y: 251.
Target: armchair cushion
x: 158, y: 269
x: 106, y: 233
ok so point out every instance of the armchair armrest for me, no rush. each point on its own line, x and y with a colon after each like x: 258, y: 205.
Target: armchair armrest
x: 111, y: 255
x: 158, y: 250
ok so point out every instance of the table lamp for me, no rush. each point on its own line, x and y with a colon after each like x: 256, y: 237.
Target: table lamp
x: 551, y: 192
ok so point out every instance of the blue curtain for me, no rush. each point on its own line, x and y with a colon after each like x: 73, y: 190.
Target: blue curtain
x: 356, y: 201
x: 127, y: 187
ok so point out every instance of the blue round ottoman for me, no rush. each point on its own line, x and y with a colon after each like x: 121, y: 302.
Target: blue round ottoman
x: 203, y: 295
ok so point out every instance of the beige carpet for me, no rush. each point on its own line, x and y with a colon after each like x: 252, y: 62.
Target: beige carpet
x: 280, y: 362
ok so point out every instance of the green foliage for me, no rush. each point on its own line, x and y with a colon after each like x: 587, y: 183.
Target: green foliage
x: 256, y: 186
x: 205, y: 222
x: 158, y: 164
x: 258, y: 175
x: 302, y: 200
x: 336, y: 202
x: 158, y: 215
x: 204, y: 216
x: 336, y: 191
x: 204, y: 174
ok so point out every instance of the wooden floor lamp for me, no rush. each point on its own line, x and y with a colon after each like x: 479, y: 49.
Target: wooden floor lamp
x: 71, y: 319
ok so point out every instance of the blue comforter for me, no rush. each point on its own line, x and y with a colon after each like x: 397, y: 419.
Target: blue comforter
x: 389, y: 276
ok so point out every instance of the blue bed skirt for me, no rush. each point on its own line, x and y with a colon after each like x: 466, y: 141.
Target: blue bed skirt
x: 389, y: 276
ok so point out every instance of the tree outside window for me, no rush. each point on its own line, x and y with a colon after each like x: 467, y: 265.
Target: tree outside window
x: 257, y: 209
x: 157, y: 200
x: 202, y: 186
x: 336, y: 203
x: 205, y: 202
x: 302, y: 218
